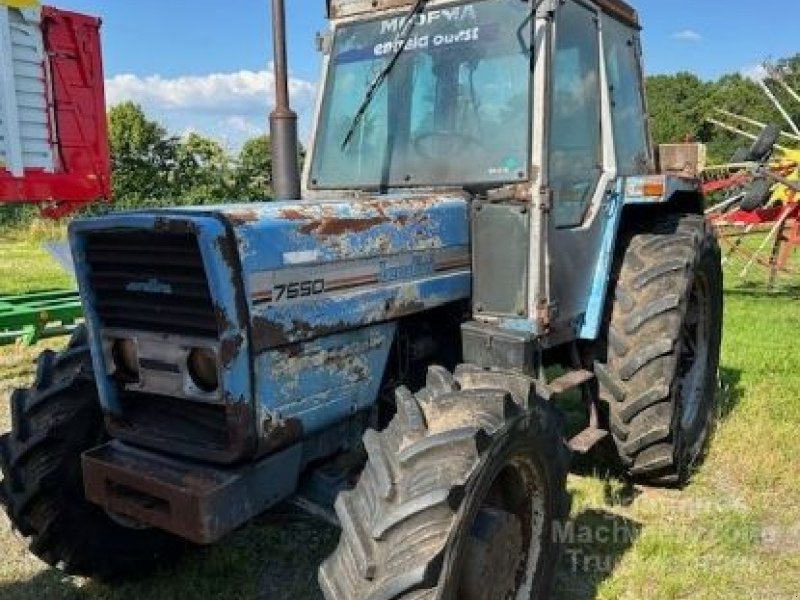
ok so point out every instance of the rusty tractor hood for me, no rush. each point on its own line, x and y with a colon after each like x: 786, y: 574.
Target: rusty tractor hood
x: 304, y: 298
x: 303, y: 262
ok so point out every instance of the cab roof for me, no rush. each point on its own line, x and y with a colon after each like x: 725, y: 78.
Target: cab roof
x: 337, y: 9
x: 620, y: 10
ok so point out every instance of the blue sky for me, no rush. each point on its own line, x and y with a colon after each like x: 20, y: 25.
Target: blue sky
x: 205, y: 65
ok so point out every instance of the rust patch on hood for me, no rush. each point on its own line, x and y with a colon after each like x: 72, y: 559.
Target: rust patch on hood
x: 339, y: 226
x: 229, y: 349
x: 228, y: 251
x: 223, y: 322
x: 243, y: 217
x: 292, y: 214
x: 278, y: 435
x: 173, y: 225
x: 292, y: 350
x: 267, y: 334
x: 347, y: 364
x: 308, y: 331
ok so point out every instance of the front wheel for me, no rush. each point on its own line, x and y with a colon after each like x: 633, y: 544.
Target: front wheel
x: 460, y: 498
x: 53, y: 423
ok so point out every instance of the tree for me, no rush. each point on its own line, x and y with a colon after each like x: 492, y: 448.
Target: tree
x: 254, y: 169
x: 204, y: 173
x: 681, y: 104
x: 678, y: 106
x: 741, y: 96
x: 143, y: 156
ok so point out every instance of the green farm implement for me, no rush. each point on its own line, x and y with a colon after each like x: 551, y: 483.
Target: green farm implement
x: 29, y: 318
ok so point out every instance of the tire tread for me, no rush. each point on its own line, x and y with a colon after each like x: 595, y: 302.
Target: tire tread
x: 394, y: 549
x: 53, y: 422
x: 651, y: 280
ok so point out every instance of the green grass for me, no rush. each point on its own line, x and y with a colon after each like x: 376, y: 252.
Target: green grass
x: 25, y: 266
x: 734, y: 533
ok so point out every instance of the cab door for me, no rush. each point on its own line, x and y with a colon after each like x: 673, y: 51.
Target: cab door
x: 582, y: 169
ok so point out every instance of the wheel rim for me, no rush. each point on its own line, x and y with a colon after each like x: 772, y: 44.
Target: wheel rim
x: 505, y: 540
x: 694, y: 354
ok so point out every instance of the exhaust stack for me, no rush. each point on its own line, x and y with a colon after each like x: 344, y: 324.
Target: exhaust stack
x: 283, y: 120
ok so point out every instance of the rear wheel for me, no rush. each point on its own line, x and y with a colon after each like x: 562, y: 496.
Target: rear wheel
x: 459, y: 498
x: 662, y: 348
x: 53, y: 423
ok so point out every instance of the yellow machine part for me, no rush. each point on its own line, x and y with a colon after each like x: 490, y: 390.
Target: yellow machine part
x: 788, y: 159
x: 20, y: 3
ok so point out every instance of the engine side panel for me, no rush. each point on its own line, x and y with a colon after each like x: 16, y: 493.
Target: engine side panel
x: 326, y: 283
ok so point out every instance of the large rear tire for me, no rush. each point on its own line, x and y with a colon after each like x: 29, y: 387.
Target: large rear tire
x: 459, y: 499
x: 53, y: 423
x: 662, y: 348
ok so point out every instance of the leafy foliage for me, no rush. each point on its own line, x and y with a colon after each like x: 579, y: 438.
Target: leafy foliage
x: 680, y: 105
x: 144, y: 157
x: 152, y: 168
x: 254, y: 171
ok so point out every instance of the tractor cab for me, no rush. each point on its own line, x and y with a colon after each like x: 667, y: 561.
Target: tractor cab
x: 535, y: 110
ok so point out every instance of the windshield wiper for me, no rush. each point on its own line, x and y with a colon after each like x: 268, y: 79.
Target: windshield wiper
x: 403, y: 38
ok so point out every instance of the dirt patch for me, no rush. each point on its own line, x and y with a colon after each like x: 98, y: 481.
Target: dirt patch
x: 776, y: 539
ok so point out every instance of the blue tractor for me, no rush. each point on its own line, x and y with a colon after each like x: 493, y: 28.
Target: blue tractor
x: 483, y: 227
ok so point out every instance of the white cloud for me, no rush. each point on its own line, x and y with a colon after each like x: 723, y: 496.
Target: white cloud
x: 687, y: 35
x: 228, y: 106
x: 244, y: 125
x: 755, y: 72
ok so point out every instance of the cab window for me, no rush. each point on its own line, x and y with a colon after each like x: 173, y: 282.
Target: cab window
x: 575, y: 128
x: 627, y: 98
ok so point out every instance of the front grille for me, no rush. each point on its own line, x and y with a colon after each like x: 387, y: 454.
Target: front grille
x: 174, y: 424
x: 150, y: 281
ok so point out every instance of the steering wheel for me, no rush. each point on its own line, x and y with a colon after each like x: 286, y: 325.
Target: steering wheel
x: 458, y: 139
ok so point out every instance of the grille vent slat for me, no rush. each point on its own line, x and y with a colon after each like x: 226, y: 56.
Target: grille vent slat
x: 168, y: 419
x: 150, y: 281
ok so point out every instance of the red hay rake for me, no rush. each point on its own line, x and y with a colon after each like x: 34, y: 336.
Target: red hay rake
x: 758, y: 221
x: 778, y: 228
x: 766, y: 237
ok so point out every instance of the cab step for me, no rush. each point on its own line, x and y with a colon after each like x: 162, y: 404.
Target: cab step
x: 587, y: 439
x: 571, y: 380
x: 579, y: 379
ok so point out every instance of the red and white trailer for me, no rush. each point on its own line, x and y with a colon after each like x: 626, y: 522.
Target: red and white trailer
x: 53, y: 132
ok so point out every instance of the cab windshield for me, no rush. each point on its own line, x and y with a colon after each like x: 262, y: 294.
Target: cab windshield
x: 453, y: 111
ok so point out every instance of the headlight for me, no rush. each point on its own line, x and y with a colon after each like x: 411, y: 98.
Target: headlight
x: 204, y: 369
x: 126, y: 359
